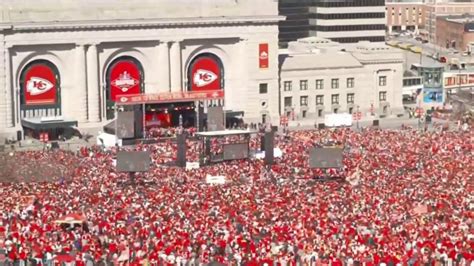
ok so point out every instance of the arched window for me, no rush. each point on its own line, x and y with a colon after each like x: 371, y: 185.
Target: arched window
x: 206, y: 73
x: 124, y: 76
x: 40, y: 89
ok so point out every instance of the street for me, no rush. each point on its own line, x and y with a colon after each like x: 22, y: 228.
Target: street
x: 428, y: 50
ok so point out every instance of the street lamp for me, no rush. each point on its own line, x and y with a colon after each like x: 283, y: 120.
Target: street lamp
x: 358, y: 116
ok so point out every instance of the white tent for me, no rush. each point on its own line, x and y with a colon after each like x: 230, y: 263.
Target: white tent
x: 338, y: 120
x: 107, y: 140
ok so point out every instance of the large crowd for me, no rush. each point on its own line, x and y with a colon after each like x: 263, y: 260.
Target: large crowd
x: 407, y: 199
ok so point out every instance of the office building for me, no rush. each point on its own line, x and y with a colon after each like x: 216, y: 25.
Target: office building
x: 433, y: 9
x: 348, y: 21
x: 296, y: 23
x: 405, y: 15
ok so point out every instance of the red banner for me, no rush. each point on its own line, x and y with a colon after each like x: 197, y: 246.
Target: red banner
x: 206, y: 74
x: 125, y: 79
x: 263, y: 55
x: 44, y: 137
x: 187, y: 96
x: 357, y: 116
x: 40, y: 85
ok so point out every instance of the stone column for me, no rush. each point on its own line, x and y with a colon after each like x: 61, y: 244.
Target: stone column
x: 80, y: 103
x: 175, y: 67
x: 9, y: 102
x: 93, y: 93
x: 3, y: 92
x: 164, y: 67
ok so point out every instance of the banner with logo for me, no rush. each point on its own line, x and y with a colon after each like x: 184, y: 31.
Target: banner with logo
x: 40, y: 85
x: 455, y: 80
x: 125, y: 79
x: 433, y: 95
x: 206, y: 74
x: 263, y: 55
x: 170, y: 97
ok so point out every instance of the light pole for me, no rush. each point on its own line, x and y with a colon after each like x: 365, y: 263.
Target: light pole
x: 357, y: 116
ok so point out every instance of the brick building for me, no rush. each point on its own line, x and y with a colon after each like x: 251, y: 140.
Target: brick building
x: 437, y: 8
x: 405, y: 16
x: 455, y: 32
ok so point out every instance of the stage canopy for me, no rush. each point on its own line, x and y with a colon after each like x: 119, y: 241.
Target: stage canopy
x: 222, y: 133
x: 45, y: 123
x: 170, y: 97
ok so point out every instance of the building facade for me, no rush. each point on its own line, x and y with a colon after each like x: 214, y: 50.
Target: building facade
x: 296, y: 23
x: 433, y: 9
x: 348, y: 21
x: 74, y: 60
x: 455, y: 32
x: 403, y: 16
x: 320, y: 77
x: 341, y: 21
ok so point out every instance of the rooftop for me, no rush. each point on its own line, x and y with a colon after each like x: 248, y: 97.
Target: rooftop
x: 320, y: 53
x: 17, y: 11
x: 320, y: 61
x: 461, y: 19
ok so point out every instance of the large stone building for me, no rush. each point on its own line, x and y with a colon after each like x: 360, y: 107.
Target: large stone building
x: 73, y: 61
x: 318, y: 77
x: 74, y: 58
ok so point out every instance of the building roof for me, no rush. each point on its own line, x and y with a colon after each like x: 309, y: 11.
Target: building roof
x: 320, y: 53
x: 410, y: 74
x: 319, y: 61
x: 16, y: 11
x: 461, y: 19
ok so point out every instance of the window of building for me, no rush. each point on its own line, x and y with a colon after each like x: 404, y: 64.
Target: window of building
x: 351, y: 110
x: 303, y: 113
x: 319, y: 84
x: 319, y: 99
x: 334, y: 83
x: 303, y: 85
x: 288, y: 102
x: 263, y: 88
x: 350, y: 98
x: 287, y: 86
x: 304, y: 101
x: 335, y: 99
x: 335, y: 110
x: 382, y: 96
x: 383, y: 81
x: 332, y: 28
x: 320, y: 112
x: 350, y: 82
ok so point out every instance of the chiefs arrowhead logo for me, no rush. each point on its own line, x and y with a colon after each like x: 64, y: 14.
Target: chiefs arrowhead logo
x: 37, y: 86
x: 203, y: 77
x: 263, y: 55
x: 123, y: 99
x: 124, y: 82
